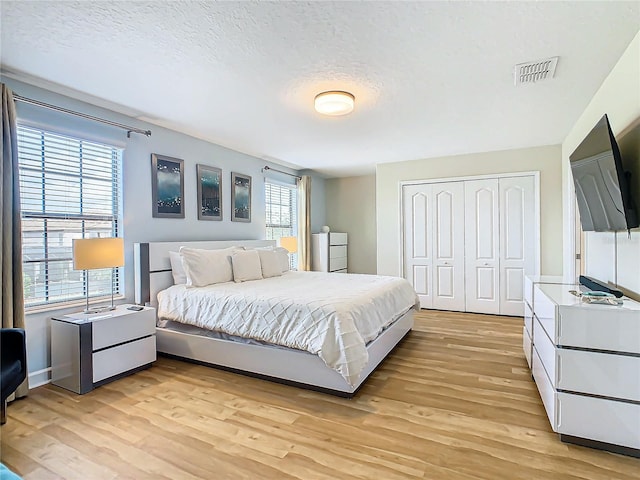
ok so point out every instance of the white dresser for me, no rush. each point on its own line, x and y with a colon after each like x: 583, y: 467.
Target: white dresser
x: 329, y: 252
x: 586, y: 365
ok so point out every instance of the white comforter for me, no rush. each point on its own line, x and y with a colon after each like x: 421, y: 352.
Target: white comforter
x: 331, y: 315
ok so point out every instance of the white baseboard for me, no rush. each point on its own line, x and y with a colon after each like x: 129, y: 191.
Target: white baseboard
x: 39, y: 378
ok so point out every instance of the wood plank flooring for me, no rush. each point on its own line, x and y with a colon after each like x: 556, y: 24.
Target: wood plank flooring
x: 454, y: 401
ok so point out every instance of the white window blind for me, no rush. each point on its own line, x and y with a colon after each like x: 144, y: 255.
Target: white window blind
x: 69, y: 188
x: 282, y: 214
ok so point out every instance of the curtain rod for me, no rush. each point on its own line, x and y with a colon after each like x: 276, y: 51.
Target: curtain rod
x: 267, y: 167
x: 130, y: 130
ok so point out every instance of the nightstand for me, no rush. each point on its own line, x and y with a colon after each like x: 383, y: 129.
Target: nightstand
x: 93, y: 349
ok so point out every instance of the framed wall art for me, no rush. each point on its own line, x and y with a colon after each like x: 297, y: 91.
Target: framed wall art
x: 209, y: 192
x: 240, y: 197
x: 167, y: 186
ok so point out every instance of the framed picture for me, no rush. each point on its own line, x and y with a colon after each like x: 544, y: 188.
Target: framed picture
x: 167, y: 186
x: 240, y: 197
x: 209, y: 192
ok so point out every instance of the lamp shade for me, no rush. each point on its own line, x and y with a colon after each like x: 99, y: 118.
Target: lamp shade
x: 94, y: 253
x: 290, y: 243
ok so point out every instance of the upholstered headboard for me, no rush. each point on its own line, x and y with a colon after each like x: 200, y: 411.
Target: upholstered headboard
x: 153, y: 268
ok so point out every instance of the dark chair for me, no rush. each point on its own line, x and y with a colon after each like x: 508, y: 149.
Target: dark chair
x: 13, y: 353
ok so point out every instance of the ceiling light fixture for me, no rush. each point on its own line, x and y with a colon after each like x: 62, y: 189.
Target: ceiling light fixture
x: 334, y: 103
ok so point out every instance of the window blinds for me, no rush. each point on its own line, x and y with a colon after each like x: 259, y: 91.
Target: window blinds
x: 69, y: 188
x: 282, y: 213
x: 281, y: 210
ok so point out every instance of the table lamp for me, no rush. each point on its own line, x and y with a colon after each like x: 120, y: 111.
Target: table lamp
x: 290, y: 243
x: 96, y: 253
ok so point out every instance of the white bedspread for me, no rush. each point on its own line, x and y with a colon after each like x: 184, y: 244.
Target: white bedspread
x: 332, y: 315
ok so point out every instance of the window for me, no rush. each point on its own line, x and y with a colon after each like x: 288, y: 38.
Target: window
x: 68, y: 189
x: 282, y: 214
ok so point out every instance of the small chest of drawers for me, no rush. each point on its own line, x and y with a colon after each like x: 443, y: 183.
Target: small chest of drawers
x: 329, y: 252
x: 90, y: 350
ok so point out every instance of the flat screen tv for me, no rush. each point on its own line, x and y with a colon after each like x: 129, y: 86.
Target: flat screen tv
x: 602, y: 186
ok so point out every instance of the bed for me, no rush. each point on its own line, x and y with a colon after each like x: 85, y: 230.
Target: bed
x: 181, y: 318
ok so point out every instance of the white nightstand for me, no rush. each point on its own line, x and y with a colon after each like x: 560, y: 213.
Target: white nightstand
x: 90, y: 350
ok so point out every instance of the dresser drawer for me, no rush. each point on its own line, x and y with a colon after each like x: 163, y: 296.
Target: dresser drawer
x: 337, y: 251
x: 546, y: 350
x: 528, y: 291
x: 608, y: 421
x: 546, y: 312
x: 526, y: 345
x: 600, y: 327
x: 122, y: 328
x: 597, y: 373
x: 570, y: 322
x: 116, y: 360
x: 547, y: 392
x: 337, y: 264
x: 337, y: 238
x: 528, y: 318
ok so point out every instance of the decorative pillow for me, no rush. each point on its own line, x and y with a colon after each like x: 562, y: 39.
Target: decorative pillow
x: 177, y: 270
x: 206, y: 267
x: 246, y: 265
x: 270, y: 262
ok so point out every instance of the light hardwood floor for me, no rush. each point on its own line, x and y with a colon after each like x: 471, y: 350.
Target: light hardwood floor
x: 454, y: 401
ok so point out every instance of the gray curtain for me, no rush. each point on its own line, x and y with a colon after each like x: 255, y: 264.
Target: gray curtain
x: 304, y: 223
x: 11, y: 299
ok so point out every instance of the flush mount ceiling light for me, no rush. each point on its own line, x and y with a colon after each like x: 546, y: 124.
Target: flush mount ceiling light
x: 334, y: 103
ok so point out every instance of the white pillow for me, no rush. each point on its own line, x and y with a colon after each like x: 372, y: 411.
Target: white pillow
x: 246, y: 265
x: 283, y: 256
x: 177, y: 270
x: 206, y: 267
x: 270, y: 262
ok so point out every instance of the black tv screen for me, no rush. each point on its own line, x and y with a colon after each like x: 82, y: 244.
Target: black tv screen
x: 602, y: 186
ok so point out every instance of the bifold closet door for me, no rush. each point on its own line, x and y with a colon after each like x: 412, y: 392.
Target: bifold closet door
x: 448, y: 245
x: 518, y: 238
x: 482, y: 246
x: 418, y: 264
x: 468, y: 244
x: 434, y: 243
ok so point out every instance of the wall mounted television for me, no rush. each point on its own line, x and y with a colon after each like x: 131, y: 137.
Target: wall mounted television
x: 602, y: 186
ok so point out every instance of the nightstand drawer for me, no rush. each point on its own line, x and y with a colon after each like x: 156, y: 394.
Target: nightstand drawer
x: 122, y: 358
x: 122, y: 328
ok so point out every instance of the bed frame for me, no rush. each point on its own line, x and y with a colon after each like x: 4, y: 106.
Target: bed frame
x: 289, y: 366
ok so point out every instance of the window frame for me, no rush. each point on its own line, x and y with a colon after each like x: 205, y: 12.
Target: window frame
x: 88, y: 150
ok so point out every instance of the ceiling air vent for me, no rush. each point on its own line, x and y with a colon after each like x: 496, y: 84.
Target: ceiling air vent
x: 532, y: 72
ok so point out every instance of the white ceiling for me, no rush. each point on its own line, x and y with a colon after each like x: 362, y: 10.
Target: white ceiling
x: 430, y: 78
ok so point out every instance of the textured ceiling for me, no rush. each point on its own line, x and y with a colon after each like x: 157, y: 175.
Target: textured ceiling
x: 430, y: 78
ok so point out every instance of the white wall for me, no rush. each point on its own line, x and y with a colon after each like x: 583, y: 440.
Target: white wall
x: 610, y: 257
x: 351, y: 208
x: 138, y: 224
x: 546, y: 160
